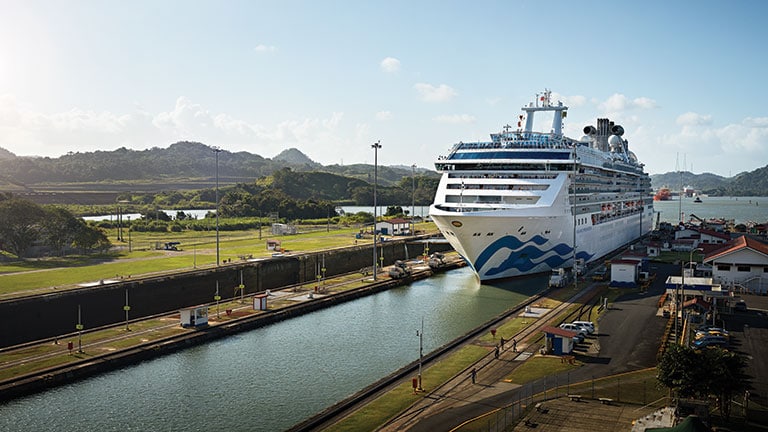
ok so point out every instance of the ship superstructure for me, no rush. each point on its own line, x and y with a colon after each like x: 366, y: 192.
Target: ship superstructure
x: 518, y: 204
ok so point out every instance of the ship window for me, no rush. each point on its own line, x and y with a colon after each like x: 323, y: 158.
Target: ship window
x: 742, y: 268
x: 489, y: 234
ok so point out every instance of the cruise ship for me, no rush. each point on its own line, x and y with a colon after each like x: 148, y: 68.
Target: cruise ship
x: 531, y: 201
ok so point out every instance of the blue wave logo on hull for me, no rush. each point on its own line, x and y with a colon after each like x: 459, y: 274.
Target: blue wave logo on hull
x: 525, y: 256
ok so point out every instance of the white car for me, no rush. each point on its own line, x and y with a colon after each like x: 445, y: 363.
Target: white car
x: 574, y: 328
x: 589, y: 326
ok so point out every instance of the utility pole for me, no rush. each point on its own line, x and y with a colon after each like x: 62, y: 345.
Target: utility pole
x: 376, y: 146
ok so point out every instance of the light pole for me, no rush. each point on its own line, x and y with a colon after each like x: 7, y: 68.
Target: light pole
x: 413, y: 198
x: 216, y: 151
x: 119, y: 227
x: 129, y: 234
x: 679, y: 300
x: 126, y: 308
x: 690, y: 257
x: 376, y: 146
x: 79, y: 328
x: 420, y: 334
x: 573, y: 183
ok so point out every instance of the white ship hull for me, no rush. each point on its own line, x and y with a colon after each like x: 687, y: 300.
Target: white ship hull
x: 528, y: 202
x: 543, y: 243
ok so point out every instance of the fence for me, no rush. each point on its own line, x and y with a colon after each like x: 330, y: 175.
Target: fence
x: 640, y: 388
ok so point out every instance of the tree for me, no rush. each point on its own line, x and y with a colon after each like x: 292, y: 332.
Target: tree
x: 677, y: 370
x: 58, y: 228
x: 88, y: 238
x: 703, y: 373
x: 21, y: 224
x: 394, y: 211
x: 726, y: 377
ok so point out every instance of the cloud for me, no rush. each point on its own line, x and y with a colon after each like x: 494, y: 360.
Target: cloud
x: 693, y: 119
x: 749, y: 138
x: 265, y: 48
x: 760, y: 122
x: 390, y: 65
x: 384, y: 115
x: 29, y: 133
x: 723, y: 150
x: 575, y: 101
x: 430, y: 93
x: 455, y: 119
x: 618, y: 102
x: 644, y: 103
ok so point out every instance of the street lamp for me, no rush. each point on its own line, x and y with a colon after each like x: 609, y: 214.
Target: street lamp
x: 690, y: 257
x: 413, y: 198
x: 216, y: 151
x: 129, y: 234
x: 119, y: 226
x: 376, y: 146
x: 420, y: 334
x: 682, y: 286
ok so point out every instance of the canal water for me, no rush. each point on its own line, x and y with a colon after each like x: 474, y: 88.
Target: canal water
x: 271, y: 378
x: 740, y: 209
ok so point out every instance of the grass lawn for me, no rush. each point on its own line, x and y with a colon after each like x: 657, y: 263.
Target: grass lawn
x: 198, y: 249
x: 396, y: 400
x: 539, y: 367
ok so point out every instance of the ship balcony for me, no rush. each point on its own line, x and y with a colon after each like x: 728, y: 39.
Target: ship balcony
x: 492, y: 199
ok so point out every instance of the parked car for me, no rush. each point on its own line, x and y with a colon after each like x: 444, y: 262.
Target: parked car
x: 600, y: 275
x: 574, y: 328
x: 589, y: 326
x: 713, y: 328
x: 700, y: 334
x: 740, y: 306
x: 710, y: 342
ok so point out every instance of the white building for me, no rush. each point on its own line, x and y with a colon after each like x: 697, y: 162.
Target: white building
x: 393, y: 227
x: 713, y: 237
x: 741, y: 264
x: 624, y: 272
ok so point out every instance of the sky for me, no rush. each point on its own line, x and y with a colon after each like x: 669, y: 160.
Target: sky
x: 686, y: 79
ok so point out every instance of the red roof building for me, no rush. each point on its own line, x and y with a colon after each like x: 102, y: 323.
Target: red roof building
x: 741, y: 264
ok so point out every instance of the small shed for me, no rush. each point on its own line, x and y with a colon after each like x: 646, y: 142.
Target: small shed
x: 195, y: 316
x: 624, y: 273
x: 274, y: 245
x: 559, y: 341
x: 260, y: 302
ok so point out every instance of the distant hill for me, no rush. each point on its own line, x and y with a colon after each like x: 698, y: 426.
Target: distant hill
x: 700, y: 182
x: 295, y: 157
x: 5, y: 154
x: 188, y: 161
x: 753, y: 183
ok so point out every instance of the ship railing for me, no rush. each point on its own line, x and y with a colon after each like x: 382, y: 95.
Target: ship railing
x: 518, y: 140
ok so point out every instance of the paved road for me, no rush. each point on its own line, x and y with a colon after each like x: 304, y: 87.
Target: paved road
x: 629, y: 337
x: 749, y: 334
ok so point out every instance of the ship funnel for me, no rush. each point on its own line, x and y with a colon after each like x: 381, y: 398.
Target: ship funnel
x: 590, y: 130
x: 617, y: 130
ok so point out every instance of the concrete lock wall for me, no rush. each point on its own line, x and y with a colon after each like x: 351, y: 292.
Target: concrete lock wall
x: 40, y: 317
